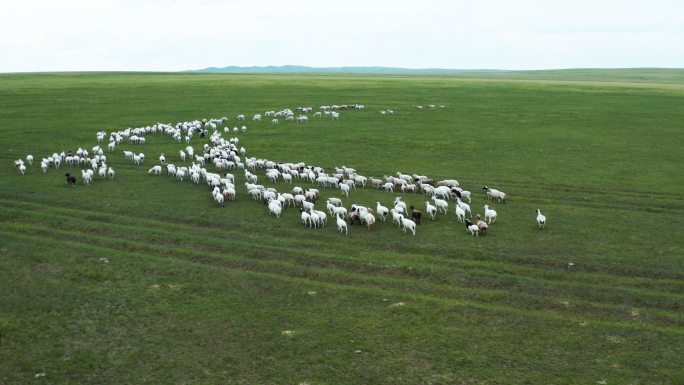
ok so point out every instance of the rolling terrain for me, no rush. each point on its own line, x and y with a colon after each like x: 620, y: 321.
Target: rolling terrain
x: 145, y: 279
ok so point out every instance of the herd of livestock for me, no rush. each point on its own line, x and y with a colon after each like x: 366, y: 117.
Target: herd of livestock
x: 227, y: 158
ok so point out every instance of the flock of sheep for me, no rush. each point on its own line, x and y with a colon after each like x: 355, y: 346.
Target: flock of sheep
x: 226, y: 157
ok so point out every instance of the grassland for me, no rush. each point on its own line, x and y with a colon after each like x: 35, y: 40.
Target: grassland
x: 194, y: 293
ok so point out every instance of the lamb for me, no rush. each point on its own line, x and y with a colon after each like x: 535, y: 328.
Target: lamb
x: 490, y: 215
x: 71, y: 180
x: 22, y: 168
x: 430, y: 209
x: 110, y: 173
x: 408, y: 224
x: 29, y: 159
x: 541, y: 219
x: 335, y: 201
x: 162, y: 158
x: 182, y: 155
x: 473, y: 229
x: 342, y: 225
x: 495, y: 195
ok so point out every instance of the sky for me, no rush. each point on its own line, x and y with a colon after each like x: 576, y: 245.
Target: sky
x: 176, y: 35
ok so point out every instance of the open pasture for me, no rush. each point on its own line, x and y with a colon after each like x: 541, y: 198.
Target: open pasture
x: 146, y: 279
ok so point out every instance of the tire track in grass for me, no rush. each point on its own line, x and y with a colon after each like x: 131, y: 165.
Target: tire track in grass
x: 502, y: 262
x: 468, y: 276
x: 464, y: 277
x: 348, y: 283
x: 330, y: 274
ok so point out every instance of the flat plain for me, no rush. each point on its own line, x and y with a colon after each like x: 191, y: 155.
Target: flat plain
x: 144, y: 279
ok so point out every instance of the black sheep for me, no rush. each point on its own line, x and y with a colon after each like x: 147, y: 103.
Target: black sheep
x: 71, y: 180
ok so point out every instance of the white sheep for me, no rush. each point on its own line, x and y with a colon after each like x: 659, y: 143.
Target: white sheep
x: 490, y: 215
x: 369, y: 218
x: 110, y: 173
x: 541, y: 219
x: 29, y: 159
x: 345, y: 189
x: 408, y: 224
x: 494, y: 194
x: 156, y: 170
x: 182, y: 155
x: 396, y: 217
x: 341, y: 225
x: 460, y: 214
x: 382, y: 211
x: 472, y: 228
x: 275, y: 207
x: 464, y: 206
x: 441, y: 204
x: 339, y: 211
x: 430, y: 209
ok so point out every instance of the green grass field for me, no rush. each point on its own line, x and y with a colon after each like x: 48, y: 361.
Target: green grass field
x: 195, y: 293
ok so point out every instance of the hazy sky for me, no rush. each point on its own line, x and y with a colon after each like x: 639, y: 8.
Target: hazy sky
x: 170, y: 35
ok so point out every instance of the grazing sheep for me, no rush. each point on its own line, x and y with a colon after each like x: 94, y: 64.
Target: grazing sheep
x: 156, y: 170
x: 110, y: 173
x: 541, y: 219
x: 71, y: 180
x: 490, y: 215
x: 29, y: 159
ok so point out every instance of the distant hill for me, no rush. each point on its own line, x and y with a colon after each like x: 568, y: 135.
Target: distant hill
x: 613, y: 75
x: 336, y: 70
